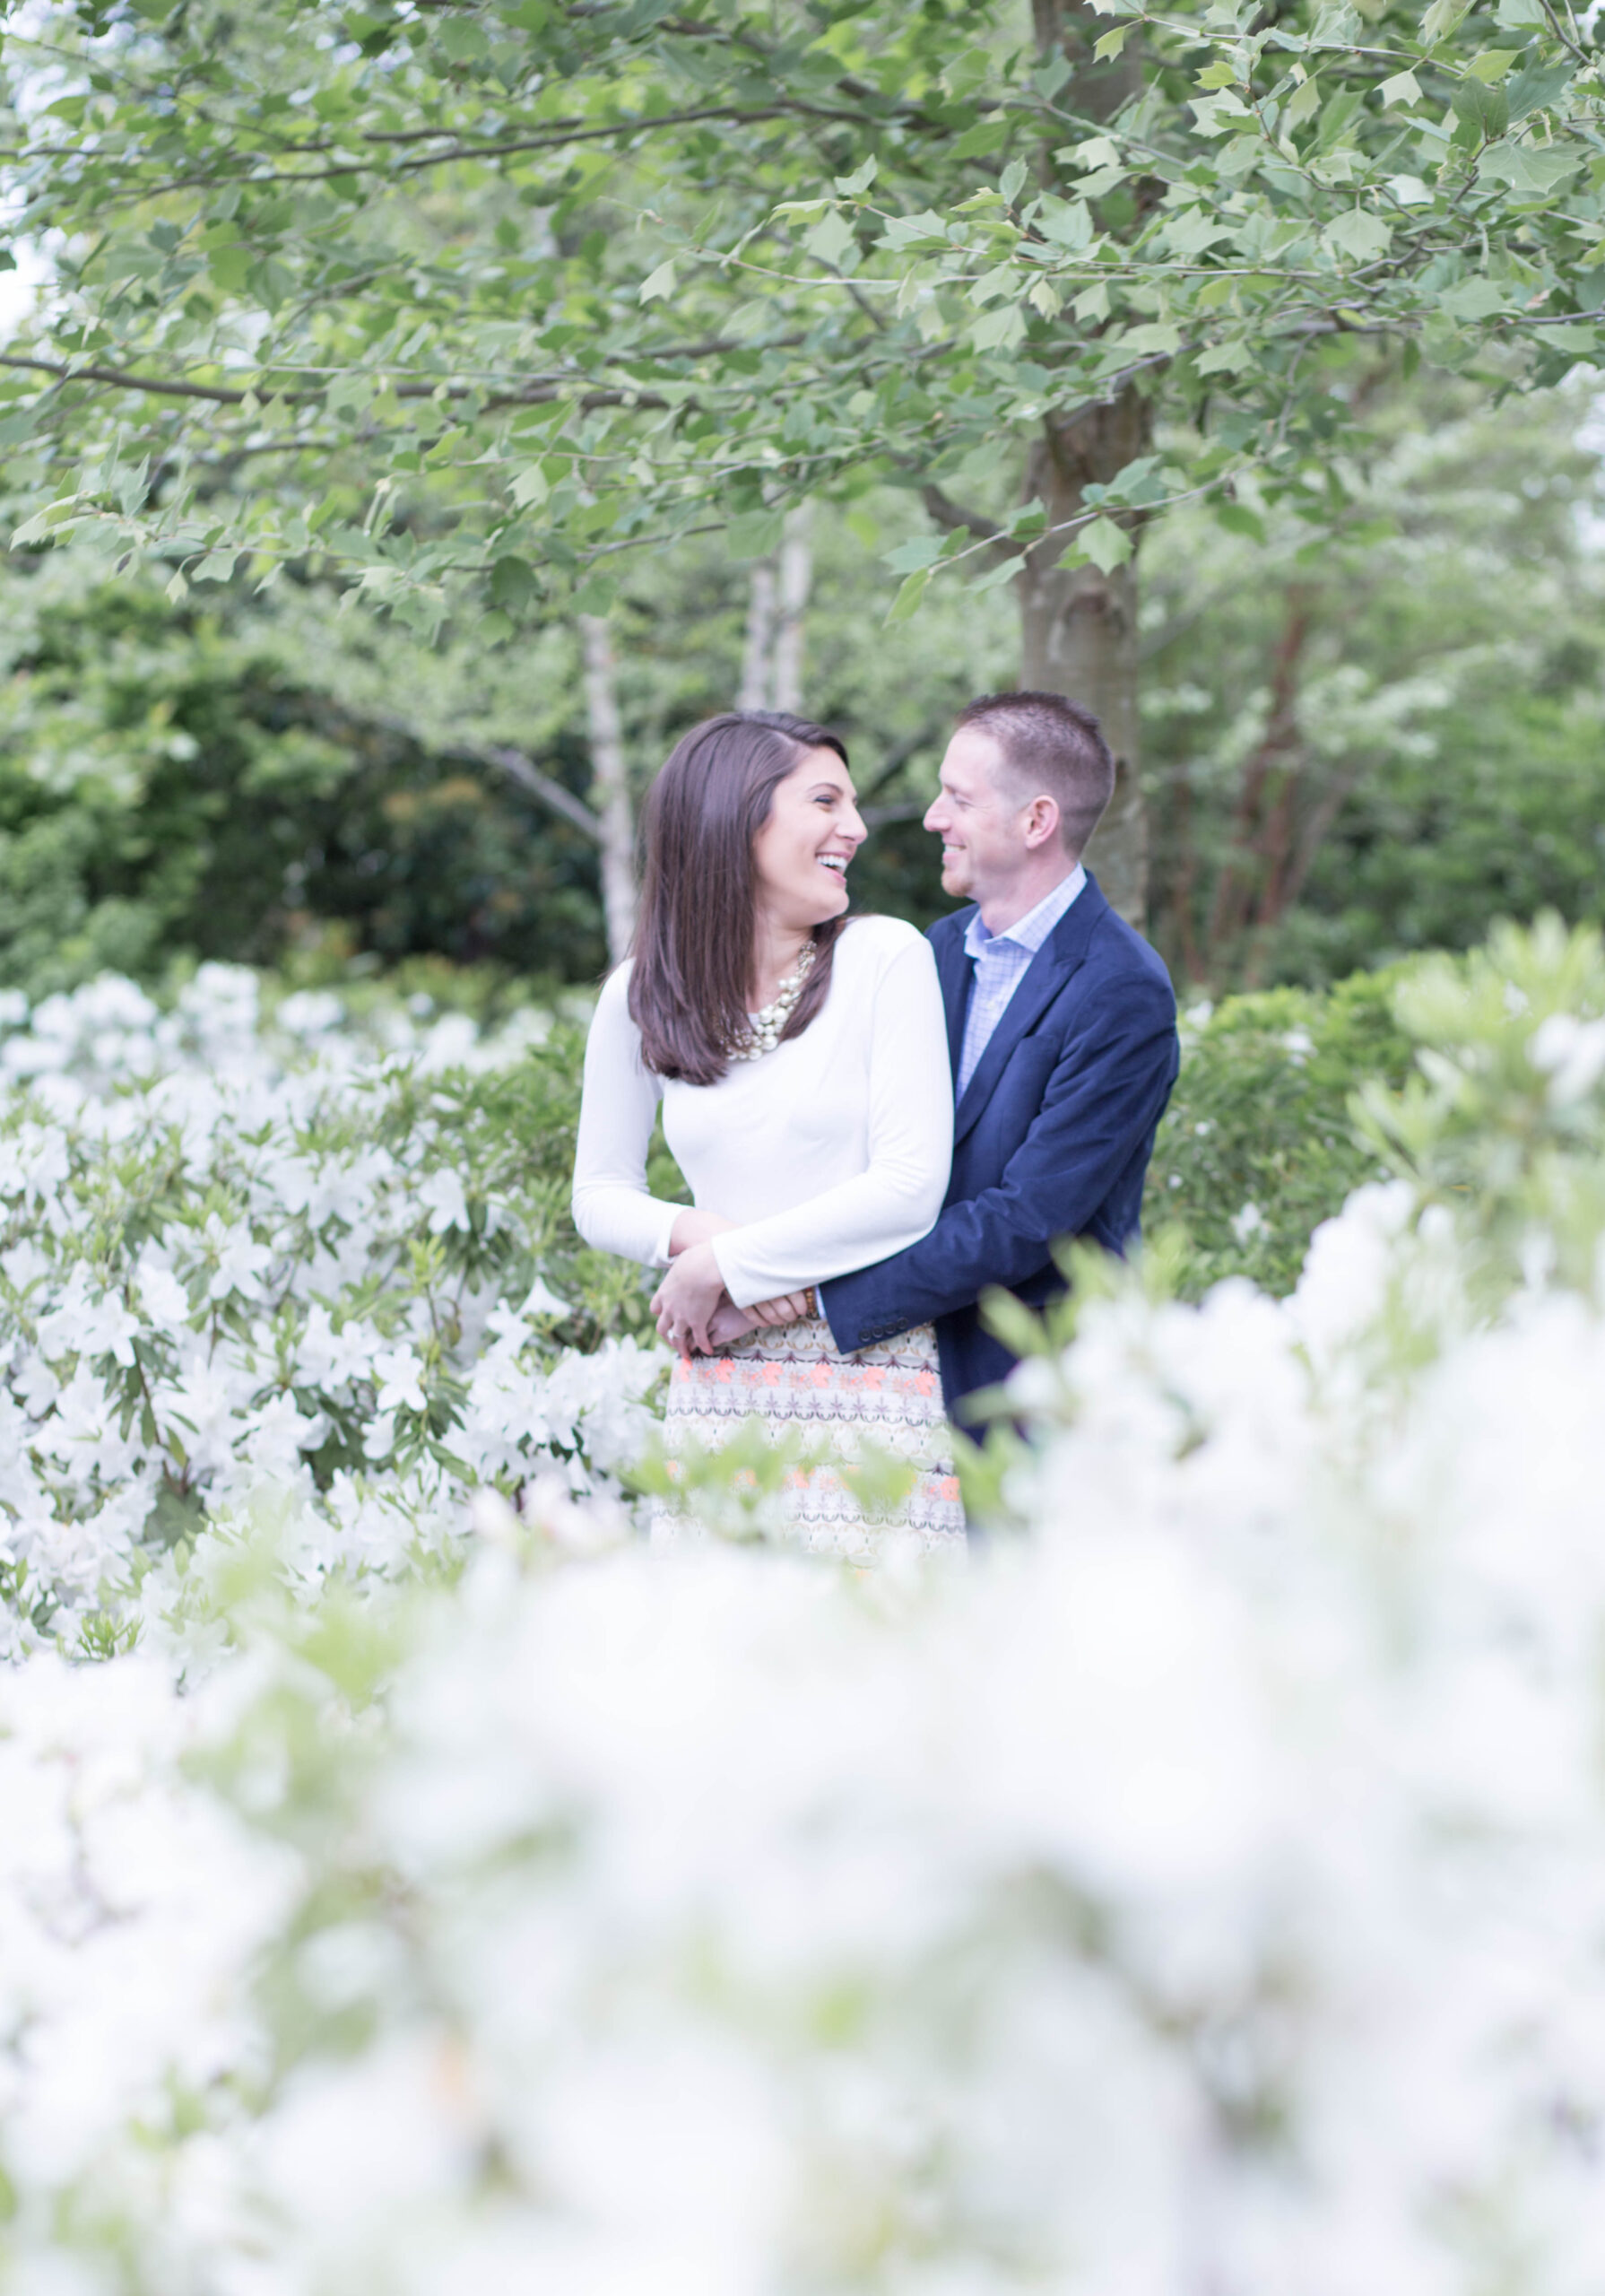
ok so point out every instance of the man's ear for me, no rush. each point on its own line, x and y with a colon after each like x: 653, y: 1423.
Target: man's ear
x: 1042, y: 822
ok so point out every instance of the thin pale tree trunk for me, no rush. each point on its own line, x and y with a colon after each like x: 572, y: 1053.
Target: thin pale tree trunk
x: 796, y: 580
x: 613, y: 787
x: 758, y: 656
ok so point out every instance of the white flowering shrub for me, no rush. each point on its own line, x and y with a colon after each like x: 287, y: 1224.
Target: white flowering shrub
x: 1204, y: 1890
x: 243, y: 1254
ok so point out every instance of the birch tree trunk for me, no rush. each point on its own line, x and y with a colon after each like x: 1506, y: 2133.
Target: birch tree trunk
x: 796, y: 580
x: 760, y: 639
x: 613, y: 788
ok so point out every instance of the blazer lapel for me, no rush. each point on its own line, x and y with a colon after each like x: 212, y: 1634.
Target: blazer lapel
x: 956, y: 975
x: 1059, y: 956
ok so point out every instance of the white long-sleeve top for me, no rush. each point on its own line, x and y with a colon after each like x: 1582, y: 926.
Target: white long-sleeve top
x: 831, y: 1151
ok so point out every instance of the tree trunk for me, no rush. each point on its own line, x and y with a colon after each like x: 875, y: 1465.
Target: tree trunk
x: 796, y: 580
x: 1079, y: 627
x: 1262, y: 821
x: 776, y: 603
x: 613, y: 788
x: 760, y: 637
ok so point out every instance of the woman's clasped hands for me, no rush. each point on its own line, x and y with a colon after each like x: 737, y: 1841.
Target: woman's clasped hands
x: 692, y: 1307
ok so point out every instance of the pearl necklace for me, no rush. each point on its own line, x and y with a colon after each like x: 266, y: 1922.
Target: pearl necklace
x: 763, y: 1031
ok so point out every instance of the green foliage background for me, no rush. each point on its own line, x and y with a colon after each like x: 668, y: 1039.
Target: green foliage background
x: 275, y: 780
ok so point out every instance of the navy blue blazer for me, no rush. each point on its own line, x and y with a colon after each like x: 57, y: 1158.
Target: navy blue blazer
x: 1052, y: 1138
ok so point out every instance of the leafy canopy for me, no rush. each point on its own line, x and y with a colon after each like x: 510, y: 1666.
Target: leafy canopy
x: 504, y: 289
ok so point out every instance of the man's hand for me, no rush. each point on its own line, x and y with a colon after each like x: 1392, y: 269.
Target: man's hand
x: 686, y: 1298
x: 729, y: 1322
x: 788, y: 1308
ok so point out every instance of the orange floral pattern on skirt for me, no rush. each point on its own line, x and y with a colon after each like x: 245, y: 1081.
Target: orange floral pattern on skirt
x: 797, y: 1383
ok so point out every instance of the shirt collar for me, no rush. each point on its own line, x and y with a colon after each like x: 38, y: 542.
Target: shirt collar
x: 1031, y: 930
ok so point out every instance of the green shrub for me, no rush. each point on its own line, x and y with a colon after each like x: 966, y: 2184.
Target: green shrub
x: 515, y: 1131
x: 1259, y: 1145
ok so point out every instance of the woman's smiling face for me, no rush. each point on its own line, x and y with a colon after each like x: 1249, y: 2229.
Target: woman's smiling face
x: 800, y: 856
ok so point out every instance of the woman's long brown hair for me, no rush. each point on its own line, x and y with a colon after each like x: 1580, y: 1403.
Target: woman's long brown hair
x: 698, y: 920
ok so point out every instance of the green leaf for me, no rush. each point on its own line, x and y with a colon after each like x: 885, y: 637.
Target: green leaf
x: 909, y: 557
x: 829, y: 238
x: 859, y: 180
x: 907, y: 230
x: 658, y: 284
x: 754, y: 534
x: 1359, y: 234
x: 1228, y: 359
x: 1304, y: 103
x: 1441, y: 19
x: 986, y: 135
x: 1237, y: 518
x: 1154, y: 336
x: 1410, y: 191
x: 1536, y: 86
x: 995, y: 576
x: 999, y: 330
x: 1493, y: 64
x: 1067, y: 223
x: 1097, y: 152
x: 1106, y: 544
x: 1472, y: 299
x: 1012, y: 182
x: 464, y: 40
x: 1214, y: 115
x: 1108, y: 45
x: 514, y: 583
x: 1483, y: 113
x: 1531, y: 173
x: 968, y: 72
x: 908, y: 597
x: 1195, y: 230
x: 1402, y: 89
x: 229, y: 267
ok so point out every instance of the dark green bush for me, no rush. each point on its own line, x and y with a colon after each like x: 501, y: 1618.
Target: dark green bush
x: 1258, y: 1145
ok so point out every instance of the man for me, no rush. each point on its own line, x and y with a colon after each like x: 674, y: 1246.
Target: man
x: 1062, y: 1029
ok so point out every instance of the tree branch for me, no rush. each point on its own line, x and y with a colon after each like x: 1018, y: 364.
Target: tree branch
x: 539, y: 390
x: 517, y: 766
x: 952, y: 516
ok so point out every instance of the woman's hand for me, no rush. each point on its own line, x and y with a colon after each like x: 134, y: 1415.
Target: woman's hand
x: 692, y: 1228
x: 686, y: 1299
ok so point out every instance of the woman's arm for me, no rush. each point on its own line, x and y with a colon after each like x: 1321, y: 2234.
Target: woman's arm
x: 612, y: 1208
x: 910, y: 1086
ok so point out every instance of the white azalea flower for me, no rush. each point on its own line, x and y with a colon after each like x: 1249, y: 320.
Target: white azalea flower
x: 399, y: 1373
x: 442, y: 1192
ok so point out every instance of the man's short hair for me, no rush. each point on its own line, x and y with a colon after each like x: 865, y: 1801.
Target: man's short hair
x: 1050, y: 746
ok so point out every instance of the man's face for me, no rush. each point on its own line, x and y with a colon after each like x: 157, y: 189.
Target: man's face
x: 981, y: 828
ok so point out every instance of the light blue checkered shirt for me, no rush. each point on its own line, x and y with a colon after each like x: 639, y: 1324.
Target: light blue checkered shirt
x: 1001, y: 959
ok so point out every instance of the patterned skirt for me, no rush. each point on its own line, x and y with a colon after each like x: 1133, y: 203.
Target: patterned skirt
x: 839, y: 1410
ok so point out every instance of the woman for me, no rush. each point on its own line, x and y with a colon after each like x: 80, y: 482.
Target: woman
x: 801, y: 1058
